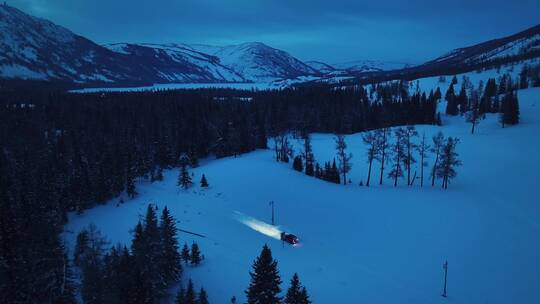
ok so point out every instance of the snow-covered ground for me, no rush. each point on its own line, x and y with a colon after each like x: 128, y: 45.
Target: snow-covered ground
x: 364, y: 245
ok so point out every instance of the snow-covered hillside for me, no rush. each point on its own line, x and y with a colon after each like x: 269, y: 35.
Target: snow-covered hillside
x: 364, y: 245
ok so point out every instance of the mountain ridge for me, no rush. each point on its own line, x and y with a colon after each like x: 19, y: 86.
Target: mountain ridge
x: 33, y: 48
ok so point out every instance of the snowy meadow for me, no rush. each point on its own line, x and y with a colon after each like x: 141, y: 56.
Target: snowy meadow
x: 381, y: 244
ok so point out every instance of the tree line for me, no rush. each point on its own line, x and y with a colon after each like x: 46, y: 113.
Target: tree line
x: 474, y: 103
x: 395, y: 149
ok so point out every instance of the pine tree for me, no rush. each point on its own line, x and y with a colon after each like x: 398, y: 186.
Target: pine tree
x: 264, y: 284
x: 318, y: 171
x: 410, y: 133
x: 343, y: 158
x: 437, y: 95
x: 68, y: 288
x: 170, y: 259
x: 423, y: 148
x: 382, y: 146
x: 195, y: 254
x: 490, y: 92
x: 190, y: 297
x: 203, y: 297
x: 81, y: 246
x: 307, y: 154
x: 304, y: 297
x: 509, y: 110
x: 181, y: 296
x: 334, y: 173
x: 184, y: 178
x: 463, y: 101
x: 92, y: 266
x: 130, y: 186
x: 449, y: 161
x: 399, y: 155
x: 523, y: 78
x: 186, y: 256
x: 296, y: 294
x: 204, y: 182
x: 297, y: 164
x: 473, y: 116
x: 146, y: 248
x: 371, y: 140
x: 451, y: 104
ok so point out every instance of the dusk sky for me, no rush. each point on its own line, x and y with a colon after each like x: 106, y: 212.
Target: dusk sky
x: 331, y: 31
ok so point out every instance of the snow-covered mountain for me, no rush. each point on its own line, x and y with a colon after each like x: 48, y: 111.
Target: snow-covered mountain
x: 247, y: 62
x: 354, y: 67
x: 361, y: 66
x: 520, y: 46
x: 34, y: 48
x: 257, y: 61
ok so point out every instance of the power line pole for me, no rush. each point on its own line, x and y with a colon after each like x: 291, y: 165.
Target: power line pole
x: 445, y: 267
x: 272, y: 204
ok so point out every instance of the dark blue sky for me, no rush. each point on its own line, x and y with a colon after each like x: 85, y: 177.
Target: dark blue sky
x: 332, y: 30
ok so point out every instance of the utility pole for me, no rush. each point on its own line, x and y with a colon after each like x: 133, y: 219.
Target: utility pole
x: 445, y: 267
x: 272, y: 204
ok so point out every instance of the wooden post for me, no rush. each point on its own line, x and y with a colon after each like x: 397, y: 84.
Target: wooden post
x: 445, y: 267
x: 272, y: 204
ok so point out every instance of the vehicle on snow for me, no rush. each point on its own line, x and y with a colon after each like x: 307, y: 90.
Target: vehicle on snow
x: 290, y: 238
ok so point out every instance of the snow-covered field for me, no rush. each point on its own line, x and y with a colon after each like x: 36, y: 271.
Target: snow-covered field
x: 364, y: 245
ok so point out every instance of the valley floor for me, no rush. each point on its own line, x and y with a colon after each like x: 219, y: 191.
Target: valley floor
x: 364, y: 245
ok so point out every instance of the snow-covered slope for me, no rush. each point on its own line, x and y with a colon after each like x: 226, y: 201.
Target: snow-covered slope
x: 364, y: 245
